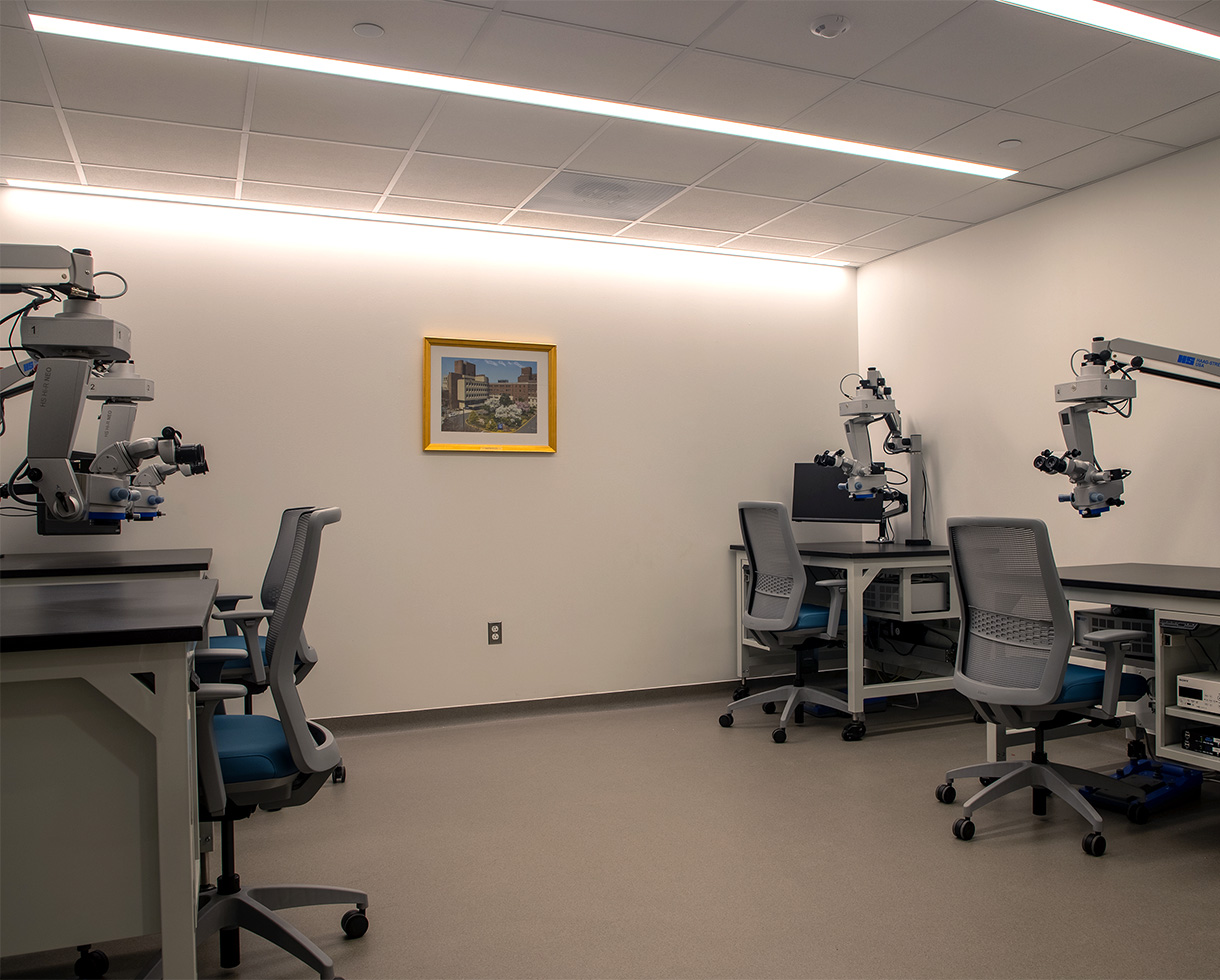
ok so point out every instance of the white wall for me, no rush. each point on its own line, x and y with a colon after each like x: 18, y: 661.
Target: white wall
x: 291, y: 347
x: 975, y: 330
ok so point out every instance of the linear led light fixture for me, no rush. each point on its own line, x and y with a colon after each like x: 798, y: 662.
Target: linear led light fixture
x: 406, y: 219
x: 491, y: 90
x: 1121, y: 21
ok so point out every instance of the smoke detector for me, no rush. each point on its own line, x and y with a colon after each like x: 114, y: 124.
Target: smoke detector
x: 830, y: 25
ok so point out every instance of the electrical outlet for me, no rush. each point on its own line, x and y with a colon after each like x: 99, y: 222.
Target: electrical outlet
x: 495, y: 633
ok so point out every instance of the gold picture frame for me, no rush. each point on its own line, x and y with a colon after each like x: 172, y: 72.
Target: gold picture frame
x: 488, y: 396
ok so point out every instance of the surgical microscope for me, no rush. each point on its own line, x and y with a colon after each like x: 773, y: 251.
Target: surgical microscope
x: 80, y: 355
x: 865, y: 478
x: 1104, y: 385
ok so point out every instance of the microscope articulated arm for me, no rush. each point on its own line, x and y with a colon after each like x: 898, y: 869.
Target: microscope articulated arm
x: 1104, y: 384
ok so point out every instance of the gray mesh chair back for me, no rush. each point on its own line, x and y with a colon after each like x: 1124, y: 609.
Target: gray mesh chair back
x: 1016, y: 632
x: 777, y: 576
x: 309, y: 754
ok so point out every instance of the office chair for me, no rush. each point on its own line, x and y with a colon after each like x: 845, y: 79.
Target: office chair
x: 777, y: 616
x: 1012, y: 663
x: 241, y: 625
x: 247, y: 762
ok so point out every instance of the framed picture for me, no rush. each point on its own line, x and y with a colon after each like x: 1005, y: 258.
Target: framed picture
x: 489, y: 396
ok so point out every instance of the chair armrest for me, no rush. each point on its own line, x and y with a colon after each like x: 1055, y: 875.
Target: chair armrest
x: 1113, y: 636
x: 240, y: 614
x: 210, y: 693
x: 838, y: 592
x: 247, y: 621
x: 1111, y: 643
x: 228, y: 602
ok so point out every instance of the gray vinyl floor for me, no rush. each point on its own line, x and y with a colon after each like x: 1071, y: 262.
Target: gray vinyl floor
x: 644, y: 840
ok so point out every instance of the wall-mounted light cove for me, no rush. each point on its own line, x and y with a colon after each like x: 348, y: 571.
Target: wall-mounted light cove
x: 491, y: 90
x: 403, y: 219
x: 1128, y: 22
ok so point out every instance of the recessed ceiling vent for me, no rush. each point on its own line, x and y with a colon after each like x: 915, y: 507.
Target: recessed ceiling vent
x: 595, y: 196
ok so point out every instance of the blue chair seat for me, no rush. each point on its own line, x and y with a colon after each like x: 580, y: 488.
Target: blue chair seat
x: 252, y: 747
x: 1082, y: 683
x: 816, y: 618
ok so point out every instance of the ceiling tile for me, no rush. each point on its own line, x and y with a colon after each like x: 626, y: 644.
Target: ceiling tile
x: 902, y: 189
x: 1040, y: 140
x: 312, y: 163
x: 12, y: 14
x: 679, y: 23
x: 648, y: 152
x: 991, y: 53
x: 445, y: 209
x: 909, y: 232
x: 32, y: 131
x: 23, y: 168
x: 883, y: 116
x: 1125, y: 88
x: 826, y: 223
x: 723, y: 87
x: 775, y: 170
x: 990, y: 202
x: 346, y: 110
x: 679, y: 236
x: 780, y: 246
x: 488, y: 130
x: 161, y: 183
x: 424, y: 36
x: 308, y: 197
x: 566, y: 222
x: 1205, y: 15
x: 853, y: 253
x: 1111, y: 156
x: 1187, y: 126
x: 140, y: 144
x: 471, y: 181
x: 558, y: 58
x: 719, y: 210
x: 221, y: 20
x: 778, y: 32
x: 99, y: 77
x: 21, y: 68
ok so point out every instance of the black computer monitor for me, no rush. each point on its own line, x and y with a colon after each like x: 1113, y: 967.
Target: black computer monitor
x: 816, y: 497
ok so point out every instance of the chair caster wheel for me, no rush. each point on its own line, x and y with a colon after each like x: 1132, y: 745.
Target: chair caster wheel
x: 355, y: 923
x: 92, y: 965
x: 340, y: 774
x: 1094, y: 844
x: 963, y: 828
x: 853, y: 731
x: 741, y: 692
x: 779, y: 735
x: 769, y: 708
x: 946, y: 793
x: 1138, y: 813
x: 987, y: 780
x: 726, y: 721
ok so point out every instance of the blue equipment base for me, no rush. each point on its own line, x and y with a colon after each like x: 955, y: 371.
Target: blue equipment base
x: 1163, y: 783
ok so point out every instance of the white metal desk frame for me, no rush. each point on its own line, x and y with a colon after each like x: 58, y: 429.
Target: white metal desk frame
x: 860, y: 570
x: 168, y: 715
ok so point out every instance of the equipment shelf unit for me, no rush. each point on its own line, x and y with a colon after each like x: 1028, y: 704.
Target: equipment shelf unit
x: 1176, y: 657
